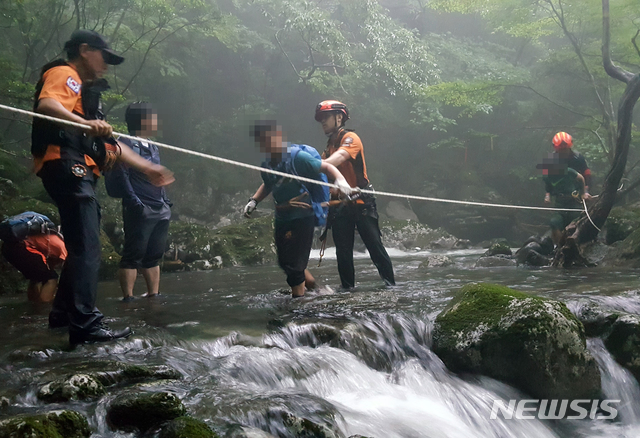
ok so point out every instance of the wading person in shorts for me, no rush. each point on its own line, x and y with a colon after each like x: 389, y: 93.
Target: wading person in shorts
x: 145, y: 208
x: 295, y: 217
x: 69, y: 160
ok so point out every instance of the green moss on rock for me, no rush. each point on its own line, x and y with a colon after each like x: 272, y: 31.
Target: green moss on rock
x: 248, y: 243
x: 109, y: 258
x: 532, y: 343
x: 141, y: 411
x: 54, y: 424
x: 187, y: 427
x: 621, y: 222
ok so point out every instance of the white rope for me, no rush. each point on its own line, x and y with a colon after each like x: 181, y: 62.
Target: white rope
x: 588, y: 216
x: 287, y: 175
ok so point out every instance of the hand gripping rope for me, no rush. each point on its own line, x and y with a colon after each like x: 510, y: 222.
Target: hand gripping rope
x: 300, y: 178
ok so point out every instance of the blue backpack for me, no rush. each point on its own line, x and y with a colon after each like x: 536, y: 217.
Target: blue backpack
x: 19, y: 227
x: 319, y: 194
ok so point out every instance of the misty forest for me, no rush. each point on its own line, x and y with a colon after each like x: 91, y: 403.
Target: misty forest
x: 453, y: 99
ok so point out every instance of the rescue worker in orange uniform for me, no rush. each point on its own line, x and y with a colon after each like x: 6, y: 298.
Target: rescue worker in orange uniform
x: 562, y: 144
x: 68, y: 160
x: 344, y: 150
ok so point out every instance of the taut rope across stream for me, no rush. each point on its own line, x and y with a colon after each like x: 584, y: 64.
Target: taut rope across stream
x: 300, y: 178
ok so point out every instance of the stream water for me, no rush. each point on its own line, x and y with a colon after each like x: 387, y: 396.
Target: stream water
x: 244, y: 345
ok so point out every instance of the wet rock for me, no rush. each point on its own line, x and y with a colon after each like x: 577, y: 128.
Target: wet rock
x: 625, y: 253
x: 595, y: 319
x: 532, y: 343
x: 397, y: 211
x: 248, y: 243
x: 141, y: 411
x: 495, y: 261
x: 76, y: 387
x: 535, y: 251
x: 594, y: 252
x: 499, y: 248
x: 621, y: 222
x: 622, y: 340
x: 129, y: 374
x: 436, y: 261
x: 410, y: 235
x: 201, y: 265
x: 54, y: 424
x: 186, y: 427
x: 238, y: 431
x: 302, y: 427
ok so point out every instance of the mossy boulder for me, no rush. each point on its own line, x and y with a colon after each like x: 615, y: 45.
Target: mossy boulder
x: 187, y: 427
x: 142, y: 411
x: 622, y: 339
x: 498, y: 248
x: 109, y: 258
x: 54, y: 424
x: 129, y: 374
x: 534, y: 344
x: 76, y: 387
x: 248, y: 243
x: 11, y: 280
x: 621, y: 222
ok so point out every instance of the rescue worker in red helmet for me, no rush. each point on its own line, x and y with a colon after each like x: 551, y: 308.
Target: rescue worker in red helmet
x: 562, y: 144
x: 345, y: 151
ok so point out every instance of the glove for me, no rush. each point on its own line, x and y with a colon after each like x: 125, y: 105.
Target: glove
x: 344, y: 187
x: 250, y: 207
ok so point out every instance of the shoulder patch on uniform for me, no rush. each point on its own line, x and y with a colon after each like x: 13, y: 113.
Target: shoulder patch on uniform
x: 73, y: 84
x: 347, y: 141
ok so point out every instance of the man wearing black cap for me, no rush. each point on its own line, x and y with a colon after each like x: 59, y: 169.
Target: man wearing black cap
x: 69, y: 161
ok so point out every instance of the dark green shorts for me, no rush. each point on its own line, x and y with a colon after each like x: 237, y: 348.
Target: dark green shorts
x: 561, y: 219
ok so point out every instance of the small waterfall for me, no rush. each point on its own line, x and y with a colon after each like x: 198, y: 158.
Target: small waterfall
x: 617, y: 383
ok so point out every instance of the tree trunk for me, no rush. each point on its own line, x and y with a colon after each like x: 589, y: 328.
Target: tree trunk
x: 582, y: 230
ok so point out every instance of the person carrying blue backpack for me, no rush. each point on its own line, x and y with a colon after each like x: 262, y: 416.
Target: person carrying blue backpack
x: 300, y: 206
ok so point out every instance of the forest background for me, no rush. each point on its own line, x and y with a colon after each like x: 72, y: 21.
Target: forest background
x: 452, y: 98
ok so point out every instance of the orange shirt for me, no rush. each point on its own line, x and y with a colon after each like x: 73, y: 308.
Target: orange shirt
x: 354, y: 169
x: 49, y: 246
x: 63, y: 84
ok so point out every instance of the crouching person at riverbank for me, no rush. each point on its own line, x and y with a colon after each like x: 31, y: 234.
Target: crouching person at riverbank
x: 34, y: 247
x: 295, y: 215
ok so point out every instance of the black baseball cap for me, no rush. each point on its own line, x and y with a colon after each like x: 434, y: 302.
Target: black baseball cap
x: 95, y: 40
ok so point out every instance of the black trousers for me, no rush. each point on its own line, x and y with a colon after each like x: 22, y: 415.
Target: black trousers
x: 80, y: 220
x: 293, y: 244
x: 365, y: 219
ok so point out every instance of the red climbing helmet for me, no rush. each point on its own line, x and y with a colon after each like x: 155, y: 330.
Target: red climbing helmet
x: 333, y: 106
x: 562, y: 140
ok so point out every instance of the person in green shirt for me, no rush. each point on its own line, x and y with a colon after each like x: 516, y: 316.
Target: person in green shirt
x: 295, y: 217
x: 568, y: 188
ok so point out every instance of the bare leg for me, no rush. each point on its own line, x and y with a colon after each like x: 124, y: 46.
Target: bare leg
x: 556, y: 235
x: 127, y: 280
x: 297, y: 291
x: 42, y: 292
x: 309, y: 281
x: 48, y: 290
x: 152, y: 277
